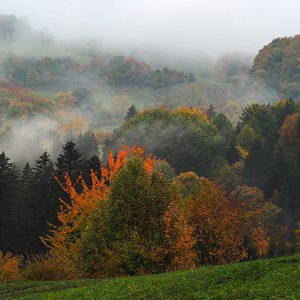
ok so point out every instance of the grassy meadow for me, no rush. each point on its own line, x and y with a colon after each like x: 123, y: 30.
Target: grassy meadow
x: 38, y: 51
x: 277, y: 278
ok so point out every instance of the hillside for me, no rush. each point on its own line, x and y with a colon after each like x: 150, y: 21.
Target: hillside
x: 38, y: 51
x: 262, y: 279
x: 277, y: 66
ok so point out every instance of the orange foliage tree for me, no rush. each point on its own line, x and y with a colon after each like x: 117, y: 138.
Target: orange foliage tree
x: 218, y: 227
x: 65, y: 241
x: 129, y: 222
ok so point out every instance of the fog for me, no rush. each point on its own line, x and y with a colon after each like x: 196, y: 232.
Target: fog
x: 211, y: 27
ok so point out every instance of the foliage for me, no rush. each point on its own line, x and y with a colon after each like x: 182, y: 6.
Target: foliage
x: 196, y: 95
x: 17, y: 103
x: 84, y: 97
x: 133, y: 236
x: 10, y: 267
x: 65, y: 240
x: 47, y: 268
x: 131, y: 113
x: 246, y: 137
x: 185, y: 138
x: 87, y: 144
x: 165, y: 169
x: 187, y: 182
x: 9, y: 206
x: 119, y: 105
x: 101, y: 136
x: 287, y: 151
x: 148, y: 235
x: 117, y: 71
x: 232, y: 109
x: 230, y: 66
x: 218, y: 225
x: 277, y: 66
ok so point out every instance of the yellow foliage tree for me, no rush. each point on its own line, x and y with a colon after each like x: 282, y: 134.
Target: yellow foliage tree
x: 119, y: 105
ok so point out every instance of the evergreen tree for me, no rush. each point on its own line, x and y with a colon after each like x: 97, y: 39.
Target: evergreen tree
x: 9, y: 235
x: 211, y: 112
x: 87, y: 144
x: 26, y: 196
x: 93, y: 163
x: 69, y: 161
x: 131, y: 113
x: 45, y: 203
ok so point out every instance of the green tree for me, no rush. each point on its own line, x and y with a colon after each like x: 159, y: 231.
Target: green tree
x: 32, y: 78
x: 84, y: 97
x: 129, y: 237
x: 44, y: 204
x: 9, y: 210
x: 166, y: 170
x: 69, y: 161
x: 87, y: 144
x: 26, y: 218
x: 131, y: 113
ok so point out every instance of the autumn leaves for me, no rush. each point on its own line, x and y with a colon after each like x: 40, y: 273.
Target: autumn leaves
x: 133, y: 221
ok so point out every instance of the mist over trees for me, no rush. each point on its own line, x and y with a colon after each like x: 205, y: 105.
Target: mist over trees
x: 137, y: 170
x: 277, y: 66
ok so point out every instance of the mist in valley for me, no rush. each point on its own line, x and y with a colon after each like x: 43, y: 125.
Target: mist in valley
x: 216, y: 41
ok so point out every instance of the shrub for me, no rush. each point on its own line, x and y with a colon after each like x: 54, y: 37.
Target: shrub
x: 10, y: 267
x: 46, y: 268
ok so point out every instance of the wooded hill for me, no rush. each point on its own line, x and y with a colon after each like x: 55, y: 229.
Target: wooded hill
x: 215, y: 193
x: 277, y: 66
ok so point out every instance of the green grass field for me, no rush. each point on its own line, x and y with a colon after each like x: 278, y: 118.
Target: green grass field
x: 38, y: 51
x: 209, y: 80
x: 277, y: 278
x: 141, y: 97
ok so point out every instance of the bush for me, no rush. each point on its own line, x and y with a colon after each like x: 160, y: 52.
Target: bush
x: 10, y: 267
x: 47, y: 268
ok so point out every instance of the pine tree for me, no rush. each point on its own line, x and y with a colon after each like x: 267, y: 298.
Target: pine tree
x: 131, y: 113
x: 69, y: 161
x: 211, y: 112
x: 93, y: 163
x: 9, y: 235
x: 45, y: 203
x: 26, y: 218
x: 87, y: 145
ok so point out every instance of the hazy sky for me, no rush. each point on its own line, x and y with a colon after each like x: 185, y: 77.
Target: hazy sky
x: 213, y: 26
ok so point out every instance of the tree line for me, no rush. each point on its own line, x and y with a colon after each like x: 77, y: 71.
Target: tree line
x: 215, y: 193
x: 29, y: 198
x: 29, y: 72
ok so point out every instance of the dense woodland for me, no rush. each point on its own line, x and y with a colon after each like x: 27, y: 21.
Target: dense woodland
x: 118, y: 70
x: 277, y: 66
x: 174, y: 186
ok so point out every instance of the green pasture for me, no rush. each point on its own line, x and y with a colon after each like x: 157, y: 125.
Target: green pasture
x: 38, y: 51
x: 277, y: 278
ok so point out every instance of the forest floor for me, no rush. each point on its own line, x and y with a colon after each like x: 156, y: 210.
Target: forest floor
x: 261, y: 279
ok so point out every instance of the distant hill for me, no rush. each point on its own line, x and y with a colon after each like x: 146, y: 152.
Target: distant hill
x: 278, y: 66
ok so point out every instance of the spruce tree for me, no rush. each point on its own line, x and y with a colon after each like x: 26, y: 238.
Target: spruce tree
x: 9, y: 235
x: 131, y: 113
x: 87, y: 144
x: 45, y: 203
x: 26, y: 218
x: 68, y: 162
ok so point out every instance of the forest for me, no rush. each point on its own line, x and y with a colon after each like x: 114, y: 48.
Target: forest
x: 166, y: 170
